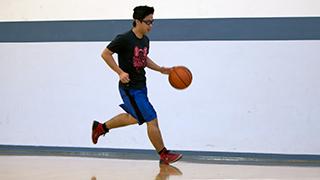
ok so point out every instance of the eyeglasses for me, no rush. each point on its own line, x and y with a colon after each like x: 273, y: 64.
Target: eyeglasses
x: 148, y: 22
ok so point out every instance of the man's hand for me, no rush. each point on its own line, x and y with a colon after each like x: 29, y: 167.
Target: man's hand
x: 124, y: 77
x: 165, y: 70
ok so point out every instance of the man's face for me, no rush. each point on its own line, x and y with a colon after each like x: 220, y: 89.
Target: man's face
x: 146, y: 24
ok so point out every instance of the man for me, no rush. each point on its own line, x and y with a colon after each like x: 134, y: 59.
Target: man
x: 132, y: 48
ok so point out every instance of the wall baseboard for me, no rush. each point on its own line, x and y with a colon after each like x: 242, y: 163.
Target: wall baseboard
x: 189, y: 156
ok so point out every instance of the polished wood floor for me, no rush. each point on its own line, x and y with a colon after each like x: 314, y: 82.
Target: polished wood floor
x: 76, y: 168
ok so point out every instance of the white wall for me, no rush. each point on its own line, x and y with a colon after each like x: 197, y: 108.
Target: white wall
x: 250, y: 96
x: 106, y: 9
x: 247, y: 96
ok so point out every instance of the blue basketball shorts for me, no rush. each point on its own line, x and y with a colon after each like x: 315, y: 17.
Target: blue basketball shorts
x: 136, y: 103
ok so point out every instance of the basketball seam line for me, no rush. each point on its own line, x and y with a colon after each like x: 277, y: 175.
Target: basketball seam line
x: 180, y: 79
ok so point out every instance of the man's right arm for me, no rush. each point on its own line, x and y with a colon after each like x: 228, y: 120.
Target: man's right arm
x: 108, y: 58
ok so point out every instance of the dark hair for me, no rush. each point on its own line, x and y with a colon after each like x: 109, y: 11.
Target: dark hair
x: 140, y: 12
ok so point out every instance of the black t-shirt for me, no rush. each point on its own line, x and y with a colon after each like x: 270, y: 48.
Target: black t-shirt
x: 132, y: 57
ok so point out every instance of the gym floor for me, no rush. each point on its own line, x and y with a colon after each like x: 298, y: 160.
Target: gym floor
x: 67, y: 168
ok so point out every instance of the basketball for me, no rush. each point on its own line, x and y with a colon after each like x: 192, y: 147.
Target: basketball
x: 180, y: 77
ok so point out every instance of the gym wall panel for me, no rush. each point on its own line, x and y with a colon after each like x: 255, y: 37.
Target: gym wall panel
x: 246, y: 96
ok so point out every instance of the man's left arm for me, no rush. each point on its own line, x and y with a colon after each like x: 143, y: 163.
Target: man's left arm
x: 154, y: 66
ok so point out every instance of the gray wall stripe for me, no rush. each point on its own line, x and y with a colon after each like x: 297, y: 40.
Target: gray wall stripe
x: 294, y: 28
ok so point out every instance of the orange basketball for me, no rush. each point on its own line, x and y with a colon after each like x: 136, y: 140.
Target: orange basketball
x: 180, y: 77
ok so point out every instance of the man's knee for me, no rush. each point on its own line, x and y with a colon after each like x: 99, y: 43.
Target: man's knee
x: 153, y: 123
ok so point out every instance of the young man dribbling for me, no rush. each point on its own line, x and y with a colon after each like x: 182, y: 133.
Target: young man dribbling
x: 132, y: 48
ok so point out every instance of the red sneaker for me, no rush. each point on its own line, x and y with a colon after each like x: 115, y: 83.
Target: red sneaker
x: 167, y: 157
x: 97, y: 131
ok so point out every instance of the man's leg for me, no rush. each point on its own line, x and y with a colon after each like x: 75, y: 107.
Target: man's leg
x: 154, y: 133
x: 120, y: 120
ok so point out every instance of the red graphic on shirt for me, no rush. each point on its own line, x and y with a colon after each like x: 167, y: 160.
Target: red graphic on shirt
x: 140, y: 58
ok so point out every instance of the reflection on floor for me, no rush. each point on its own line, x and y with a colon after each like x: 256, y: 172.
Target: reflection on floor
x: 69, y: 168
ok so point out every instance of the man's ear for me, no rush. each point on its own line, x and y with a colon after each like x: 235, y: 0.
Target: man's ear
x: 137, y: 21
